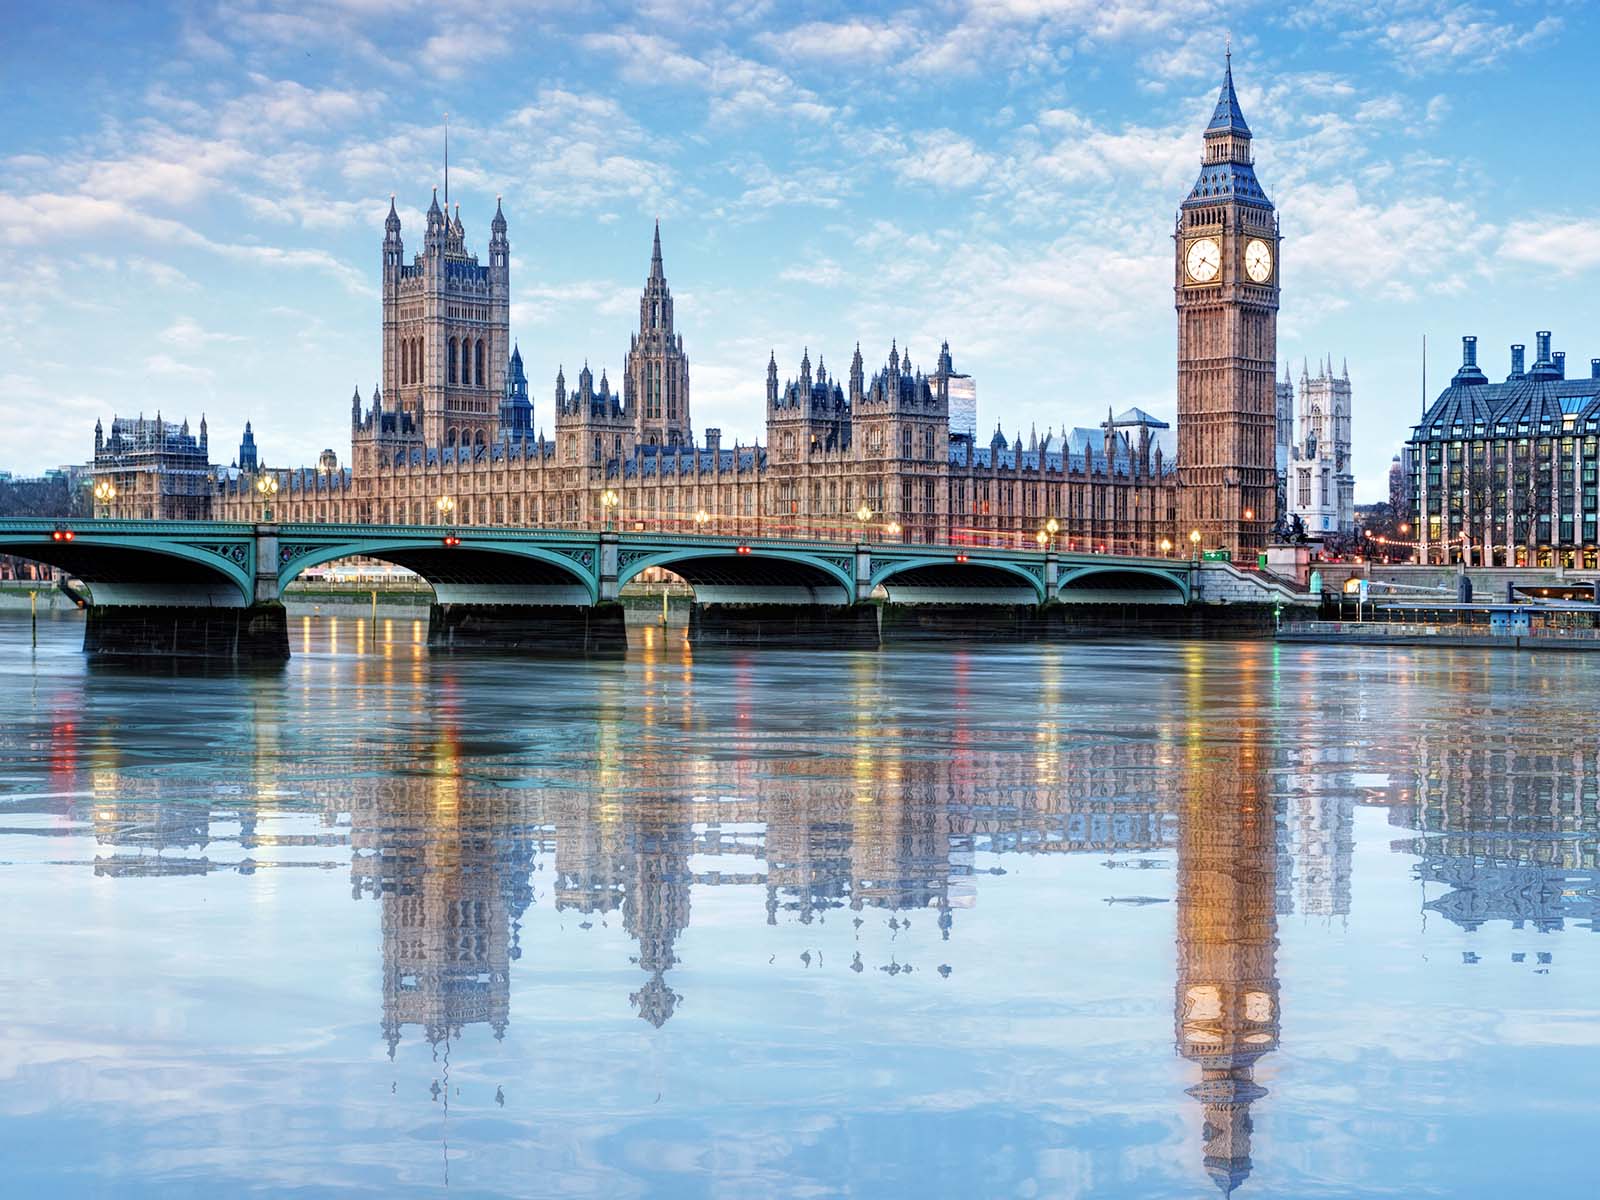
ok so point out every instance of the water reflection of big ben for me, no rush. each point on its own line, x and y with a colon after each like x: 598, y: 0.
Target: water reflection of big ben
x: 1227, y: 986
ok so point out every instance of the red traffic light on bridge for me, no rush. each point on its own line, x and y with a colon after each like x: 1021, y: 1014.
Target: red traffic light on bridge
x: 451, y: 539
x: 62, y: 535
x: 960, y: 558
x: 744, y: 549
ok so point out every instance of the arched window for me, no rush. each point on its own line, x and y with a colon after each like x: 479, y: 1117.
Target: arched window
x: 618, y: 447
x: 403, y: 352
x: 478, y: 440
x: 416, y: 360
x: 478, y: 366
x: 451, y: 377
x: 450, y: 437
x: 905, y: 443
x: 597, y: 447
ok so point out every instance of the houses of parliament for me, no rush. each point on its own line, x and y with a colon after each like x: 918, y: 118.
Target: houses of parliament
x: 870, y: 452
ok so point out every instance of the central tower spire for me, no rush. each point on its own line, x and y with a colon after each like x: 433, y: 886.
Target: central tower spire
x: 655, y: 382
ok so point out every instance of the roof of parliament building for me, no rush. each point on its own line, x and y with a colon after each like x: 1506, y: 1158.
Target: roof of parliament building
x: 1533, y: 401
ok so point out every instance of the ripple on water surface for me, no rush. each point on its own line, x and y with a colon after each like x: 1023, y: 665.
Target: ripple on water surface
x: 1101, y: 919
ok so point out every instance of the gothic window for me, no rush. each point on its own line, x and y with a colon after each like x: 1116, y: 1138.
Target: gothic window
x: 597, y: 447
x: 478, y: 363
x: 450, y: 377
x: 927, y: 444
x: 617, y: 446
x: 905, y: 443
x: 478, y: 440
x: 450, y: 438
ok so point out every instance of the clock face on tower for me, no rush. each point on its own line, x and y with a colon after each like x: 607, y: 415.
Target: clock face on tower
x: 1258, y: 260
x: 1204, y: 260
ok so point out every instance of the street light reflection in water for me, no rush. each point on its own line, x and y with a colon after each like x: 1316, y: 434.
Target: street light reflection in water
x: 1087, y: 919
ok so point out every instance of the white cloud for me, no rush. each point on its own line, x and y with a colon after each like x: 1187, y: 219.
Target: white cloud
x: 819, y: 272
x: 1566, y: 245
x: 840, y: 41
x: 188, y: 333
x: 166, y: 366
x: 737, y: 88
x: 946, y: 159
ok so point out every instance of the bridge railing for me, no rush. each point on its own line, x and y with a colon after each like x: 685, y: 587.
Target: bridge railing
x: 714, y: 530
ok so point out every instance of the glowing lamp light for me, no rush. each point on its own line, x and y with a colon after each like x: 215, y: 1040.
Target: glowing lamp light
x: 744, y: 549
x: 961, y: 558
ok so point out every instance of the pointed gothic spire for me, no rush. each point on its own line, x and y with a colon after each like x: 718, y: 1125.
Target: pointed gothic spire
x: 391, y: 223
x: 656, y: 270
x: 1228, y: 117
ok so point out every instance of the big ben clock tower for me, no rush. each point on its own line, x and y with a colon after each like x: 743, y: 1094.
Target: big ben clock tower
x: 1227, y: 297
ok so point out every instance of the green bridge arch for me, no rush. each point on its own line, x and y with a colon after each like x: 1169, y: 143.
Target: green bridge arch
x: 471, y: 560
x: 737, y: 565
x: 881, y: 575
x: 1134, y: 578
x: 142, y: 562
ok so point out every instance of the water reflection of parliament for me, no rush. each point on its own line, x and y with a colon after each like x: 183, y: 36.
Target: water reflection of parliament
x: 1258, y: 832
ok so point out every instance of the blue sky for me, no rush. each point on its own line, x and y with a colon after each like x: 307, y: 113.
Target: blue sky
x: 194, y: 194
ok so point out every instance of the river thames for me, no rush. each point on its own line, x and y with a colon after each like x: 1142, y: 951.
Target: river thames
x: 1121, y: 920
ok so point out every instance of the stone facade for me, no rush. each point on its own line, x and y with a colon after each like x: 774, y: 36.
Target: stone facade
x: 872, y: 455
x: 834, y: 449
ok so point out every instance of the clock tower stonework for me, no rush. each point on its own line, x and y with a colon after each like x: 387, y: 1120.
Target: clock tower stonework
x: 1226, y: 287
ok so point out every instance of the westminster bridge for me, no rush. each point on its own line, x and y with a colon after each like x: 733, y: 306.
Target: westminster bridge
x: 214, y: 589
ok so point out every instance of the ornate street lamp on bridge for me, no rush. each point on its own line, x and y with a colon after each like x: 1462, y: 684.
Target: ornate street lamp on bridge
x: 864, y: 515
x: 267, y: 485
x: 105, y: 491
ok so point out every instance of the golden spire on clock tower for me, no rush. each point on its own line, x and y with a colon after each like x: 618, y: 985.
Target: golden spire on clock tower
x: 1226, y: 292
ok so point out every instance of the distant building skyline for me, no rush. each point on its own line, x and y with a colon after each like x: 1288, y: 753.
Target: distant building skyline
x: 190, y: 196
